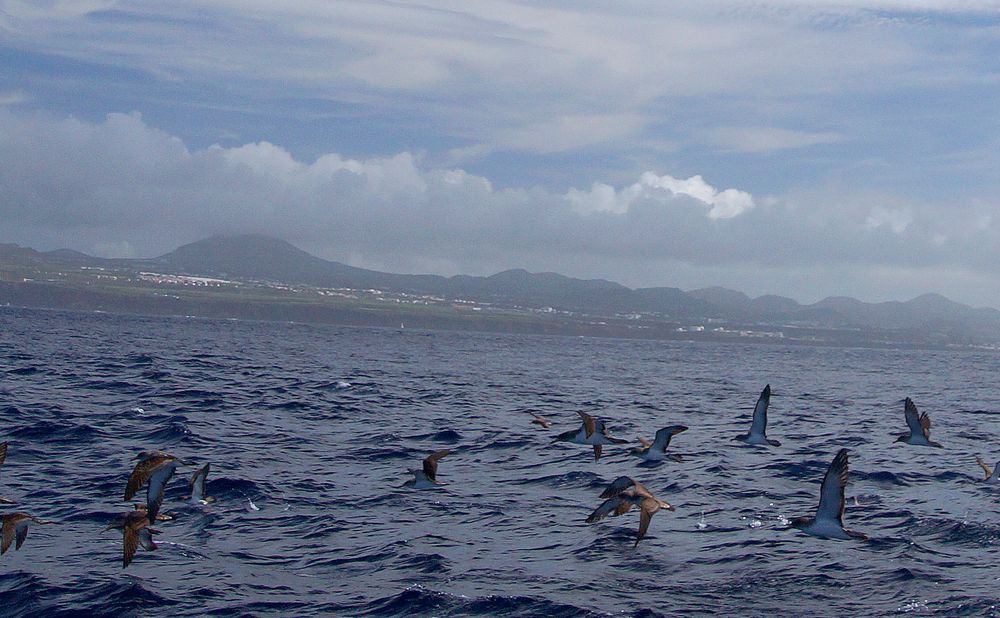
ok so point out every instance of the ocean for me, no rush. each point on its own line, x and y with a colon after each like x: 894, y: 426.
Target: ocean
x: 310, y: 431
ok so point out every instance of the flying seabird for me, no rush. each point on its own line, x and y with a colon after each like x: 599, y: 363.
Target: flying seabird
x: 197, y: 487
x: 427, y: 476
x: 990, y: 476
x: 829, y: 520
x: 3, y: 457
x: 154, y: 468
x: 538, y: 420
x: 15, y: 525
x: 758, y: 427
x: 919, y: 424
x: 622, y: 494
x: 657, y: 449
x: 135, y: 531
x: 593, y: 432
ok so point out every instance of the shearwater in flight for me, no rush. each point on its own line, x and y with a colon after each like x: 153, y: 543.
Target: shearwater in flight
x: 621, y: 495
x: 758, y: 426
x: 828, y: 523
x: 426, y: 477
x: 657, y: 449
x: 919, y: 424
x: 593, y: 432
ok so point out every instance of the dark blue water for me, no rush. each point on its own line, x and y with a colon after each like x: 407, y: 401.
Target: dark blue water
x: 315, y: 426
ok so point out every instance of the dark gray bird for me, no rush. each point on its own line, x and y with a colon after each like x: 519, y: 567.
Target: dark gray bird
x: 592, y: 431
x: 828, y: 523
x: 758, y: 426
x: 657, y: 449
x: 919, y: 424
x: 197, y: 487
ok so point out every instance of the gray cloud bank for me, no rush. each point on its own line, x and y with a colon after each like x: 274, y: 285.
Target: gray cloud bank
x: 121, y: 187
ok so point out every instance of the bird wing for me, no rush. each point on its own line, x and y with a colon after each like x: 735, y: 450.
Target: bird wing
x: 589, y: 424
x: 146, y: 539
x: 608, y: 507
x: 644, y: 442
x: 197, y: 483
x: 662, y: 440
x: 759, y: 424
x: 142, y: 471
x: 913, y: 418
x: 130, y: 543
x: 157, y: 484
x: 986, y: 469
x: 831, y: 493
x: 431, y: 464
x: 3, y: 452
x: 925, y: 425
x: 21, y: 532
x: 646, y: 509
x: 9, y: 524
x: 617, y: 486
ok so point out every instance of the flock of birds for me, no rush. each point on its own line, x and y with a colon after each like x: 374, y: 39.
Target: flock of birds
x: 625, y: 493
x: 153, y: 470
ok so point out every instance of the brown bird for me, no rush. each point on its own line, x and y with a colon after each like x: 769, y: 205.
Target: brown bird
x: 15, y: 525
x: 624, y: 493
x: 154, y: 468
x: 990, y: 475
x: 135, y: 531
x: 427, y: 477
x: 3, y: 457
x: 539, y: 420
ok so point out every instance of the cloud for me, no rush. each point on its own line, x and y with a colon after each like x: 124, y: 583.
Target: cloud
x: 121, y: 185
x: 605, y: 198
x: 768, y: 139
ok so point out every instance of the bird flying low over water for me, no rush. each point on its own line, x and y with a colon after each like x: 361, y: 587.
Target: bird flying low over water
x: 621, y: 495
x: 919, y: 424
x: 657, y: 449
x: 990, y: 475
x: 15, y: 526
x: 758, y: 427
x: 3, y: 457
x: 828, y: 523
x: 135, y: 531
x: 154, y: 468
x: 197, y: 487
x: 538, y: 420
x: 426, y: 477
x: 592, y: 431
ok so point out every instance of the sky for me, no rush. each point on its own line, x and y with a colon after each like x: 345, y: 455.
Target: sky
x: 806, y: 149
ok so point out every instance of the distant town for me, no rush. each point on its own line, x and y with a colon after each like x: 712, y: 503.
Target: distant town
x: 67, y: 280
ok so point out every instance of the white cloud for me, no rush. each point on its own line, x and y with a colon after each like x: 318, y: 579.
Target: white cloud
x: 124, y: 185
x: 604, y: 198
